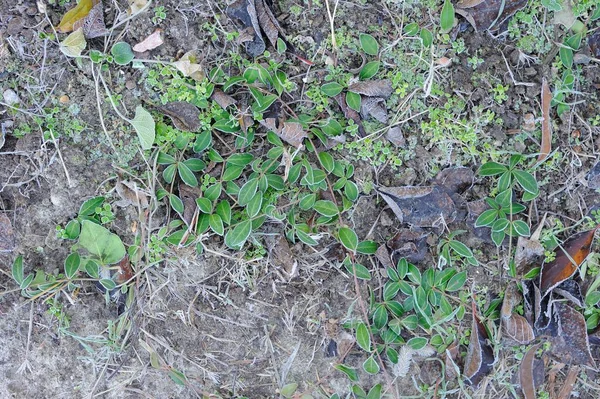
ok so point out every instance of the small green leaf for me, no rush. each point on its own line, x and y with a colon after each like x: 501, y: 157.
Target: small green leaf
x: 253, y: 207
x: 289, y: 389
x: 88, y: 208
x: 236, y: 237
x: 498, y: 237
x: 177, y: 376
x: 216, y: 224
x: 426, y: 38
x: 526, y: 181
x: 348, y: 238
x: 370, y: 366
x: 17, y: 270
x: 367, y: 247
x: 363, y: 338
x: 187, y: 175
x: 92, y: 269
x: 447, y: 17
x: 213, y: 192
x: 486, y: 218
x: 375, y: 392
x: 492, y: 169
x: 332, y: 128
x: 380, y: 317
x: 500, y: 225
x: 122, y: 53
x: 332, y: 89
x: 305, y: 238
x: 281, y: 46
x: 165, y: 159
x: 461, y: 249
x: 521, y: 228
x: 369, y: 44
x: 368, y: 71
x: 176, y: 203
x: 353, y: 100
x: 307, y: 201
x: 203, y: 141
x: 417, y: 343
x: 349, y: 371
x: 592, y: 298
x: 108, y: 284
x: 327, y: 161
x: 359, y: 270
x: 72, y: 265
x: 456, y: 282
x: 223, y: 209
x: 169, y: 173
x: 72, y: 229
x: 326, y: 208
x: 144, y: 125
x: 247, y: 192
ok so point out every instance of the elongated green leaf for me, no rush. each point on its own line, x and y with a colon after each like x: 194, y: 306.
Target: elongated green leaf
x: 369, y: 44
x: 144, y: 125
x: 332, y: 89
x: 348, y: 238
x: 72, y: 265
x: 88, y: 208
x: 370, y: 366
x: 247, y: 192
x: 353, y: 100
x: 363, y: 338
x: 367, y: 247
x: 369, y: 70
x: 17, y: 270
x: 492, y: 169
x: 349, y: 371
x: 447, y: 17
x: 326, y: 208
x: 187, y: 175
x: 236, y: 237
x: 461, y: 249
x: 486, y: 218
x: 526, y: 181
x: 456, y: 282
x: 216, y: 224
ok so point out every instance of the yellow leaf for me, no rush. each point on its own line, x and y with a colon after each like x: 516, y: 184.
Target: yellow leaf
x: 73, y: 44
x: 75, y: 14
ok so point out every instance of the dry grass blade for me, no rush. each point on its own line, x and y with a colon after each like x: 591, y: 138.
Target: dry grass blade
x: 546, y: 125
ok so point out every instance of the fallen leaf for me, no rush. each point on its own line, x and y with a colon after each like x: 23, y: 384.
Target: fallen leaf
x: 373, y: 88
x: 73, y: 44
x: 188, y: 195
x: 131, y: 194
x: 149, y: 43
x: 144, y: 126
x: 480, y: 354
x: 450, y: 355
x: 546, y: 125
x: 395, y: 136
x: 515, y: 326
x: 281, y: 256
x: 528, y: 254
x: 487, y: 14
x: 4, y: 53
x: 593, y: 177
x: 244, y: 11
x: 456, y: 179
x: 77, y: 13
x: 408, y: 244
x: 124, y: 271
x: 224, y: 100
x: 570, y: 380
x: 419, y: 206
x: 350, y: 113
x: 570, y: 342
x: 185, y: 116
x: 136, y: 6
x: 526, y: 379
x: 570, y: 289
x: 383, y: 255
x: 93, y: 24
x: 374, y: 107
x: 267, y: 21
x: 189, y: 66
x: 561, y: 268
x: 594, y: 43
x: 7, y: 234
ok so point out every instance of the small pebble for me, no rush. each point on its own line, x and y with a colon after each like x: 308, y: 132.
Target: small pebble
x: 64, y: 99
x: 130, y: 85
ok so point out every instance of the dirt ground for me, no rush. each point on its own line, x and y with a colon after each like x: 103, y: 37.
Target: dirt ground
x: 225, y: 319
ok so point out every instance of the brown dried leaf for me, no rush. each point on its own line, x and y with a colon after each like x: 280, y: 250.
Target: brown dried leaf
x: 408, y: 244
x: 570, y: 380
x: 150, y: 43
x: 188, y: 196
x: 124, y: 271
x: 131, y: 194
x: 350, y: 113
x: 189, y: 65
x: 373, y: 88
x: 570, y: 342
x: 245, y: 12
x: 561, y: 268
x: 224, y: 100
x: 480, y: 354
x: 281, y: 255
x: 419, y: 206
x: 93, y: 24
x: 293, y: 133
x: 546, y: 125
x: 395, y: 136
x: 375, y: 107
x: 486, y: 14
x: 526, y: 373
x: 76, y: 14
x: 570, y: 289
x: 185, y: 116
x: 529, y: 254
x: 267, y: 21
x: 455, y: 179
x: 516, y: 327
x: 452, y: 370
x: 383, y: 255
x: 7, y: 234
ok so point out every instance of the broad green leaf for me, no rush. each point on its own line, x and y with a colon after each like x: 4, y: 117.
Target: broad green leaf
x: 353, y: 100
x: 375, y: 392
x: 351, y: 190
x: 349, y: 371
x: 426, y: 38
x: 417, y: 343
x: 203, y: 141
x: 326, y: 208
x: 526, y: 181
x: 216, y: 224
x: 144, y: 125
x: 72, y: 265
x: 358, y: 269
x: 368, y: 71
x: 213, y: 192
x: 176, y: 203
x: 566, y: 56
x: 88, y: 208
x: 100, y: 242
x: 281, y: 46
x: 247, y: 192
x: 305, y: 238
x: 74, y: 44
x: 456, y: 282
x: 195, y: 164
x: 369, y: 44
x: 169, y: 173
x: 498, y: 237
x: 17, y: 270
x: 332, y: 89
x: 486, y: 218
x: 447, y: 17
x: 236, y: 237
x: 165, y: 159
x: 72, y: 229
x: 187, y: 175
x: 461, y: 249
x: 370, y: 366
x: 327, y: 161
x: 380, y: 317
x: 363, y: 338
x: 108, y: 284
x: 348, y: 238
x: 307, y: 201
x: 492, y: 169
x: 521, y: 228
x: 289, y: 389
x: 122, y: 53
x: 500, y: 225
x: 92, y: 269
x: 240, y: 159
x: 367, y: 247
x: 233, y: 81
x: 253, y: 207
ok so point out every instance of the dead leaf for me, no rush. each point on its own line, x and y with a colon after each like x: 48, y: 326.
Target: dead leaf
x: 570, y: 342
x: 7, y: 234
x: 570, y: 289
x: 245, y: 12
x: 565, y: 16
x: 124, y: 271
x: 267, y: 21
x: 149, y: 43
x: 487, y: 14
x: 76, y: 14
x: 593, y: 177
x: 189, y: 65
x: 374, y: 107
x: 185, y: 116
x: 561, y: 268
x: 131, y: 194
x: 373, y: 88
x: 409, y: 244
x: 515, y: 326
x: 450, y: 355
x: 4, y: 53
x: 136, y: 6
x: 528, y: 254
x: 456, y: 179
x: 395, y: 136
x: 383, y: 255
x: 350, y: 113
x: 93, y: 24
x: 224, y: 100
x: 188, y: 196
x: 570, y: 380
x: 546, y: 125
x: 419, y: 206
x: 480, y: 354
x: 281, y: 256
x: 526, y: 379
x: 594, y: 43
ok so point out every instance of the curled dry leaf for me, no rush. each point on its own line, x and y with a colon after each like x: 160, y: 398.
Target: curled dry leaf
x: 515, y: 326
x: 188, y: 196
x: 151, y: 42
x: 488, y: 14
x: 546, y: 125
x: 374, y: 107
x: 77, y: 13
x: 185, y: 116
x: 526, y: 375
x: 372, y: 88
x: 566, y: 263
x: 529, y: 253
x: 570, y: 342
x: 124, y: 272
x: 395, y: 136
x: 570, y: 289
x: 7, y: 234
x: 480, y: 354
x: 224, y: 100
x: 131, y: 194
x: 293, y: 133
x: 455, y: 179
x: 189, y: 65
x: 267, y: 21
x: 569, y: 383
x: 452, y: 370
x: 244, y: 11
x: 419, y: 206
x: 93, y: 24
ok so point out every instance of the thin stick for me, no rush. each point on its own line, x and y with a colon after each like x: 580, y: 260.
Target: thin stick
x: 62, y: 161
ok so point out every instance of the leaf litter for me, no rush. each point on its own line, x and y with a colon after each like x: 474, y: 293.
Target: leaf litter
x: 488, y: 14
x: 185, y: 116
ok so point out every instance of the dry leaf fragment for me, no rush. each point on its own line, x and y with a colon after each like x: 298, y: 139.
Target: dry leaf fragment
x: 4, y: 53
x: 487, y: 14
x: 570, y: 380
x: 480, y: 354
x: 7, y: 234
x: 383, y: 255
x: 561, y: 268
x: 526, y: 378
x: 151, y: 42
x: 281, y: 255
x: 136, y: 6
x: 373, y: 88
x: 419, y: 206
x: 395, y: 136
x: 77, y: 13
x: 515, y: 326
x: 455, y: 179
x: 529, y: 253
x: 224, y: 100
x: 375, y: 107
x: 570, y: 342
x: 350, y: 113
x: 546, y: 126
x: 185, y: 116
x: 570, y: 289
x: 293, y: 133
x: 93, y: 24
x: 131, y: 194
x: 267, y: 21
x: 188, y: 196
x: 189, y: 65
x: 245, y: 12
